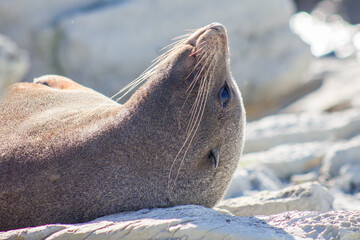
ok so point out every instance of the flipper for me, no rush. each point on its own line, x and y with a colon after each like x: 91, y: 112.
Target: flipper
x: 60, y: 82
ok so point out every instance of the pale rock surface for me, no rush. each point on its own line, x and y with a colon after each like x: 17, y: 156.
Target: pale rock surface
x: 326, y: 32
x: 340, y: 88
x: 240, y: 183
x: 304, y: 127
x: 341, y: 154
x: 349, y: 179
x: 288, y: 159
x: 305, y: 177
x: 182, y: 222
x: 14, y: 63
x: 304, y: 197
x: 255, y: 178
x: 344, y: 201
x: 21, y: 18
x: 196, y: 222
x: 342, y: 166
x: 31, y: 24
x: 315, y: 225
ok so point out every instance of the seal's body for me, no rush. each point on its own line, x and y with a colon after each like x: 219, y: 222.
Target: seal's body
x: 69, y: 154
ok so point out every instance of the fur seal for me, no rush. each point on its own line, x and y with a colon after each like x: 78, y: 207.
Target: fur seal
x: 69, y: 154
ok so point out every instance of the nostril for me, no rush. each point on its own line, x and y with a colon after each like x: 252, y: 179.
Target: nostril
x: 218, y: 26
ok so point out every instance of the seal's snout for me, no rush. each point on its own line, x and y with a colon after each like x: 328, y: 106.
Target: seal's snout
x: 218, y: 27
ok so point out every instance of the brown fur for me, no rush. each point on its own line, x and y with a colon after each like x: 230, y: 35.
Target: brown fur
x: 69, y: 154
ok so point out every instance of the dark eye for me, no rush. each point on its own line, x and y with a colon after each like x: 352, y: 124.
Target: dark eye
x: 224, y: 95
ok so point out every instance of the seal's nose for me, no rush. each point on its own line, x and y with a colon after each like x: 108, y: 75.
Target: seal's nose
x: 217, y: 26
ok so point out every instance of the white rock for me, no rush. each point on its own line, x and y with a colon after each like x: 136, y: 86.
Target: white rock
x: 288, y: 159
x: 195, y: 222
x: 14, y: 63
x: 240, y: 183
x: 110, y: 47
x: 25, y: 21
x: 340, y: 88
x: 182, y: 222
x: 341, y: 154
x: 323, y: 34
x: 264, y: 178
x: 301, y: 127
x: 32, y: 233
x: 249, y: 179
x: 351, y: 173
x: 303, y: 197
x: 306, y: 177
x: 315, y: 225
x: 344, y: 201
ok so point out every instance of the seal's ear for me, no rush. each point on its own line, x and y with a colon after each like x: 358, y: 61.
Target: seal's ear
x: 60, y: 82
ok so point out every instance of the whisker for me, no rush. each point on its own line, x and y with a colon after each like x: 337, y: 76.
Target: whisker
x: 204, y: 77
x: 197, y: 51
x: 195, y: 105
x: 204, y: 91
x: 184, y: 35
x: 200, y: 61
x: 196, y: 125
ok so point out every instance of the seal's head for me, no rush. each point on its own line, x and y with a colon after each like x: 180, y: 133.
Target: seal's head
x: 195, y: 101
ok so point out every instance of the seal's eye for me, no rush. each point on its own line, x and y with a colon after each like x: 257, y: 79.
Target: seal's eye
x: 224, y: 95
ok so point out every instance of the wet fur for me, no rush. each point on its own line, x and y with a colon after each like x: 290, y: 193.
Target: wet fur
x: 69, y: 154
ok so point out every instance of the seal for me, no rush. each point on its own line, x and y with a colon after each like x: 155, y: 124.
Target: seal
x: 68, y: 154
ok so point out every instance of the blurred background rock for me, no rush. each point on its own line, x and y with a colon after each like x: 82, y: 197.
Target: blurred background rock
x: 296, y: 63
x: 14, y: 63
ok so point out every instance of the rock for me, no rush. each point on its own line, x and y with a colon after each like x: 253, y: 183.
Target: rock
x: 182, y: 222
x: 240, y: 183
x: 264, y: 178
x: 32, y: 233
x: 196, y: 222
x: 315, y: 225
x: 14, y: 63
x: 345, y: 153
x: 347, y: 177
x: 31, y: 24
x: 248, y: 179
x: 300, y: 128
x: 340, y: 89
x: 325, y: 32
x: 303, y: 197
x: 344, y: 201
x: 288, y: 159
x: 306, y: 177
x: 350, y: 178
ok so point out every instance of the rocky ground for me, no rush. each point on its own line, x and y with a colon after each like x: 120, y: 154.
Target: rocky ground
x: 299, y: 176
